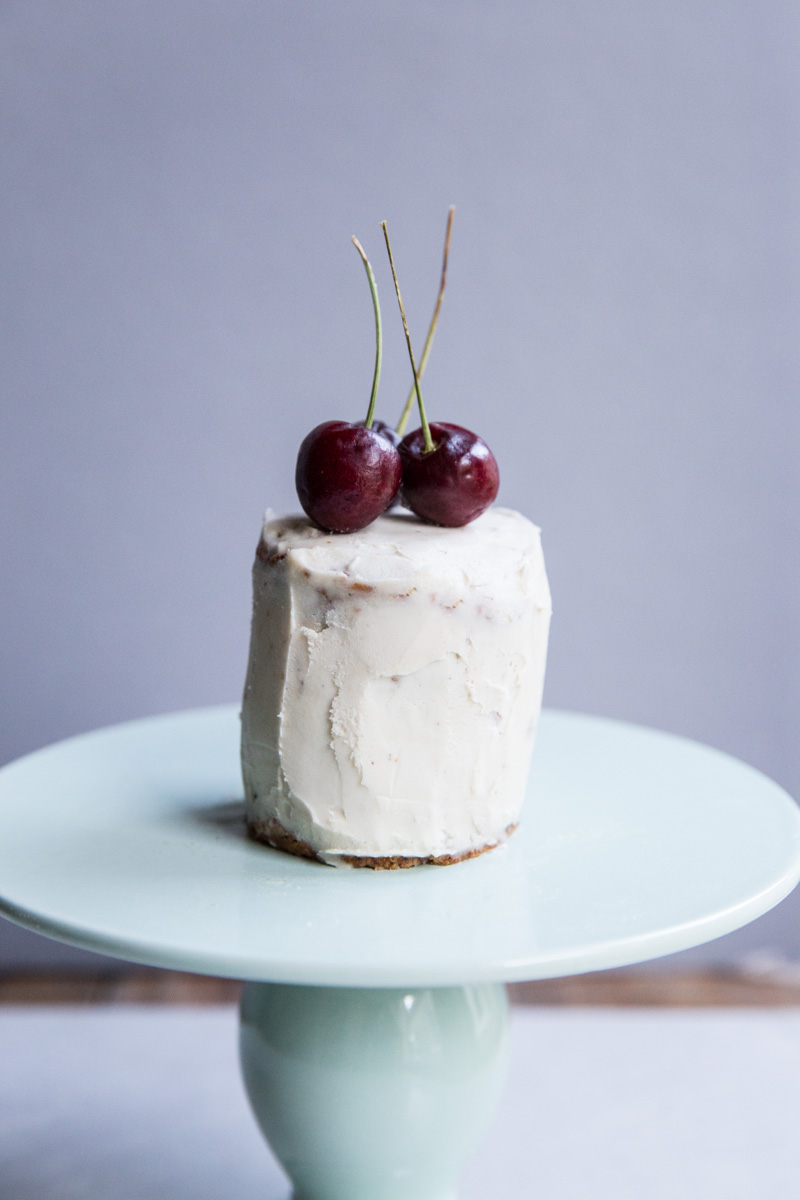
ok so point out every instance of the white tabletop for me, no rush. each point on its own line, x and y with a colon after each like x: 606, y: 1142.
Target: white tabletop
x: 633, y: 844
x: 132, y: 1104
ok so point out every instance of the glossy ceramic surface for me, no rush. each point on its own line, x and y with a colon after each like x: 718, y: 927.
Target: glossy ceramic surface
x: 374, y: 1093
x: 633, y: 844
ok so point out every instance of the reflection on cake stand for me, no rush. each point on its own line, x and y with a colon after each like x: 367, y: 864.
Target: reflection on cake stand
x: 374, y: 1025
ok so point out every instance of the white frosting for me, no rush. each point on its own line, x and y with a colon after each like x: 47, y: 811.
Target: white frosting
x: 394, y: 683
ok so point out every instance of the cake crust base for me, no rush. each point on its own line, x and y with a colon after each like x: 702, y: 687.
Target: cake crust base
x: 273, y: 834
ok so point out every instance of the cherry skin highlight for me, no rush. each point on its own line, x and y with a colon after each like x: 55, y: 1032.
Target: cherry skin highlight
x: 455, y: 482
x: 346, y: 476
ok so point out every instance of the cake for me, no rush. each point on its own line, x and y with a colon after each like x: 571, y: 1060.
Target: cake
x: 393, y: 687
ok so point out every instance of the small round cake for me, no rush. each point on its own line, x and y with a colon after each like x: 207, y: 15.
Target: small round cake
x: 394, y: 687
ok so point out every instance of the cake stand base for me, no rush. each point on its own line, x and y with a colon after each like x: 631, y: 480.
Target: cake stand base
x: 374, y: 1093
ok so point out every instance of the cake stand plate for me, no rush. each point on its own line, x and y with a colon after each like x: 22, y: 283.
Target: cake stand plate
x: 374, y: 1032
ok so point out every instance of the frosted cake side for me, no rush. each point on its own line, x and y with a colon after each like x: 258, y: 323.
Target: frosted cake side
x: 393, y: 688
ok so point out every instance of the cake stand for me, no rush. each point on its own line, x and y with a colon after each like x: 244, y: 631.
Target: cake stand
x: 374, y: 1023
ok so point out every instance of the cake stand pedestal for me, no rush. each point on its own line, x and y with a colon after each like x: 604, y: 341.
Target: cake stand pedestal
x: 374, y: 1023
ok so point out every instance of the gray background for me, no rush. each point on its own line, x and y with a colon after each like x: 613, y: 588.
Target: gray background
x: 182, y: 303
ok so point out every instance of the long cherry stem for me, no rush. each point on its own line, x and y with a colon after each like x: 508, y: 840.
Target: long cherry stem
x: 426, y: 349
x: 426, y: 432
x: 373, y: 287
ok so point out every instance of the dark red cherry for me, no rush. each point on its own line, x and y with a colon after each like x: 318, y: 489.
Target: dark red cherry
x: 455, y: 482
x: 346, y: 476
x: 387, y: 431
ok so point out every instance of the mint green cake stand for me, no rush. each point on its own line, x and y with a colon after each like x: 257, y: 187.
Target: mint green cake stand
x: 374, y: 1028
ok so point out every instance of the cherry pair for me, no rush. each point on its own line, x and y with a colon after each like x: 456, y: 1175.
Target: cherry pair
x: 349, y: 474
